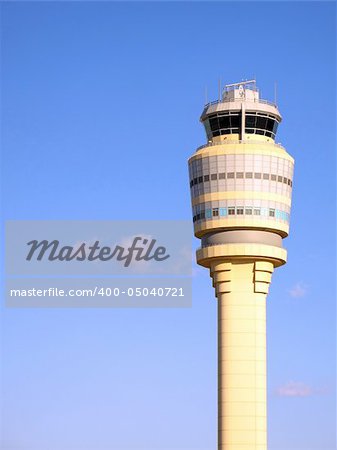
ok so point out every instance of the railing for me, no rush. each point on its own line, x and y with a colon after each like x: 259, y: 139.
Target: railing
x: 232, y: 141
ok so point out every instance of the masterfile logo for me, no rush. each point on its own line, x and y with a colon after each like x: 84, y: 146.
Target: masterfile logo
x: 90, y: 264
x: 98, y: 248
x: 140, y: 250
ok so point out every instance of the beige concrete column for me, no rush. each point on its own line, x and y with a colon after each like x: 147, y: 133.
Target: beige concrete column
x: 241, y: 289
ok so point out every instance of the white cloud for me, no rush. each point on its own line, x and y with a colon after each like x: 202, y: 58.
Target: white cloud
x: 294, y: 389
x: 298, y: 290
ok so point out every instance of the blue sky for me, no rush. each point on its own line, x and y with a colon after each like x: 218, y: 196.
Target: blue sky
x: 100, y: 109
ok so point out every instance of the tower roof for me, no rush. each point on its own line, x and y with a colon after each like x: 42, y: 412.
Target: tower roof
x: 234, y: 95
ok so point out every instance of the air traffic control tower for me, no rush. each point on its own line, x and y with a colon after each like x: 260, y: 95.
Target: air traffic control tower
x: 241, y: 185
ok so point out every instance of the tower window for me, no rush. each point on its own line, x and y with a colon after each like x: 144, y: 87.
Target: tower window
x: 250, y: 121
x: 249, y: 174
x: 206, y: 177
x: 239, y: 174
x: 234, y: 120
x: 230, y: 175
x: 223, y: 212
x: 214, y: 123
x: 222, y: 123
x: 266, y: 176
x: 257, y: 175
x: 214, y: 176
x: 273, y: 177
x: 222, y: 176
x: 259, y: 123
x: 270, y: 124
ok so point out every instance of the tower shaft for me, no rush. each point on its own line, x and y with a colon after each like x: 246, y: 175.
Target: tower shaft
x: 241, y: 290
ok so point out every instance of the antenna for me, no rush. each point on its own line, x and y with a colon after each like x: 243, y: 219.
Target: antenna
x: 219, y: 89
x: 243, y: 83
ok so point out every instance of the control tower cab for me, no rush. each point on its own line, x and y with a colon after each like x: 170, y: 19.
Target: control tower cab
x: 241, y: 180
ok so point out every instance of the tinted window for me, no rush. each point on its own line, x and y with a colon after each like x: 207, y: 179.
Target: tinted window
x: 250, y: 121
x: 261, y: 122
x: 235, y: 122
x: 214, y: 124
x: 219, y: 124
x: 270, y: 124
x: 224, y: 122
